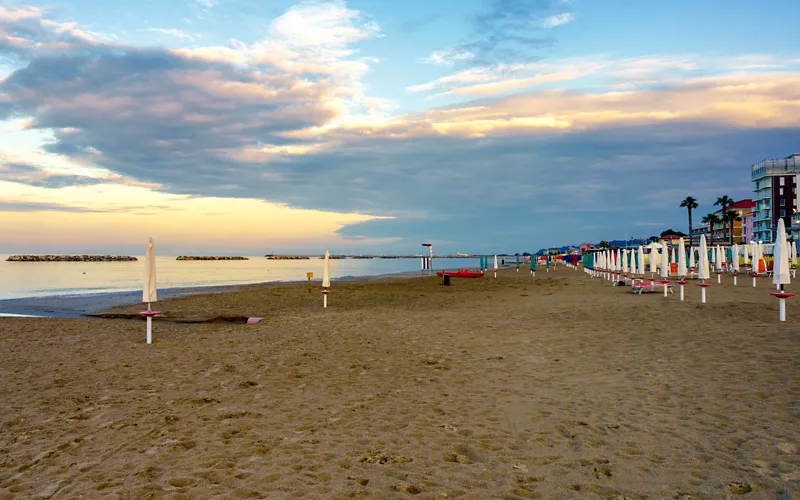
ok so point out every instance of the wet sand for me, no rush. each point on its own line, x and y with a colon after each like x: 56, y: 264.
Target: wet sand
x: 76, y: 306
x: 554, y: 387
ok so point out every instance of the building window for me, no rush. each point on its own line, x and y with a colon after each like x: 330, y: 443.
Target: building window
x: 782, y: 180
x: 783, y: 202
x: 783, y: 213
x: 780, y: 191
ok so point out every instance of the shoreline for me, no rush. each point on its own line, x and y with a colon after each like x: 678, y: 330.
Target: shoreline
x: 81, y: 305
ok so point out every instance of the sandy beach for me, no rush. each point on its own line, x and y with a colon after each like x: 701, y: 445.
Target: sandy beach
x: 553, y: 387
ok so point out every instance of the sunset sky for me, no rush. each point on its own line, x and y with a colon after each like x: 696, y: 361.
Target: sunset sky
x: 245, y: 126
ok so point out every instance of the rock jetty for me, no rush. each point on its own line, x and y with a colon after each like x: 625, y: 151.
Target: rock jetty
x: 71, y: 258
x: 210, y: 257
x: 287, y: 257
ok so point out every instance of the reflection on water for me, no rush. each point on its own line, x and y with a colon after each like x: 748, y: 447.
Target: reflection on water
x: 41, y: 279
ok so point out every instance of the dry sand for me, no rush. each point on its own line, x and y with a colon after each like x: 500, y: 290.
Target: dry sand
x: 555, y: 387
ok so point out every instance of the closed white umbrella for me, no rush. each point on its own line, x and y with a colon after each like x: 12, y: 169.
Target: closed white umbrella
x: 704, y: 272
x: 780, y: 267
x: 681, y: 258
x: 640, y: 261
x: 744, y: 254
x: 653, y: 258
x: 149, y: 292
x: 672, y: 258
x: 735, y: 259
x: 681, y: 264
x: 326, y: 279
x: 718, y: 264
x: 793, y: 262
x: 625, y: 262
x: 692, y: 261
x: 665, y: 266
x: 495, y: 266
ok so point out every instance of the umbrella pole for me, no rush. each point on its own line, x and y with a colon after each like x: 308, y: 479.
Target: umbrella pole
x: 734, y: 280
x: 681, y: 293
x: 754, y: 281
x: 149, y: 326
x: 703, y: 294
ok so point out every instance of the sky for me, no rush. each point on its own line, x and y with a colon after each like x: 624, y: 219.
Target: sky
x: 256, y: 126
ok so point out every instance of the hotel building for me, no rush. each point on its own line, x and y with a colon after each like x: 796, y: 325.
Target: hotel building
x: 775, y: 191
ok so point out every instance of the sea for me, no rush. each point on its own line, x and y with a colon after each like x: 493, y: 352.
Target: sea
x: 48, y: 279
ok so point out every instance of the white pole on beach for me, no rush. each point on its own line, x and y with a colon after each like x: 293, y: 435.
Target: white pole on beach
x: 495, y: 266
x: 326, y: 279
x: 150, y: 290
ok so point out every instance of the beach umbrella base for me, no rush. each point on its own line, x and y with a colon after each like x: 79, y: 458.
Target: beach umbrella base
x: 703, y: 287
x: 782, y: 296
x: 149, y: 315
x: 325, y: 298
x: 681, y: 283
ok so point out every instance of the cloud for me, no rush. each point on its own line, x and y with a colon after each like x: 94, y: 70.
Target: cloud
x: 289, y: 119
x: 557, y: 20
x: 175, y: 33
x: 15, y: 171
x: 598, y: 71
x: 447, y: 57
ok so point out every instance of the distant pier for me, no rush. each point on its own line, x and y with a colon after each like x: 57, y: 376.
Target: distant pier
x: 209, y: 257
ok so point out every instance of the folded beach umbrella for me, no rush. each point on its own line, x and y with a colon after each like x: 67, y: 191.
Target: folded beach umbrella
x: 495, y: 266
x: 664, y: 261
x: 672, y: 259
x: 744, y: 254
x: 326, y: 279
x: 149, y: 291
x: 681, y: 258
x: 653, y: 258
x: 793, y: 262
x: 703, y: 271
x: 640, y: 258
x: 780, y: 269
x: 692, y: 261
x: 735, y: 258
x: 625, y: 261
x: 150, y: 294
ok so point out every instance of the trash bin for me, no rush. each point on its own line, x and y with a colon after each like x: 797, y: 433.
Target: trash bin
x: 446, y: 279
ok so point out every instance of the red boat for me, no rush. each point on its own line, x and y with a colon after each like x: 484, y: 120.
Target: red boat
x: 461, y: 273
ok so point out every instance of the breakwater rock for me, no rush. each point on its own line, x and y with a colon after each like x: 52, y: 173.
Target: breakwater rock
x: 287, y: 257
x: 71, y: 258
x: 210, y: 257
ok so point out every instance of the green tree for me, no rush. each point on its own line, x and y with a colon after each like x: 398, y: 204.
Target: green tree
x: 690, y: 203
x: 712, y: 220
x: 603, y: 245
x: 723, y: 202
x: 730, y: 217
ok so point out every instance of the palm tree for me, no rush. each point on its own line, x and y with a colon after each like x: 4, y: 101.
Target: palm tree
x: 603, y: 245
x: 690, y: 203
x: 724, y: 202
x: 730, y: 217
x: 712, y: 220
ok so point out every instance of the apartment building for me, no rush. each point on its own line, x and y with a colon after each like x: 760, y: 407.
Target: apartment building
x: 776, y: 182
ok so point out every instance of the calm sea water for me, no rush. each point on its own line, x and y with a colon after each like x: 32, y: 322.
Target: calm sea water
x: 44, y: 279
